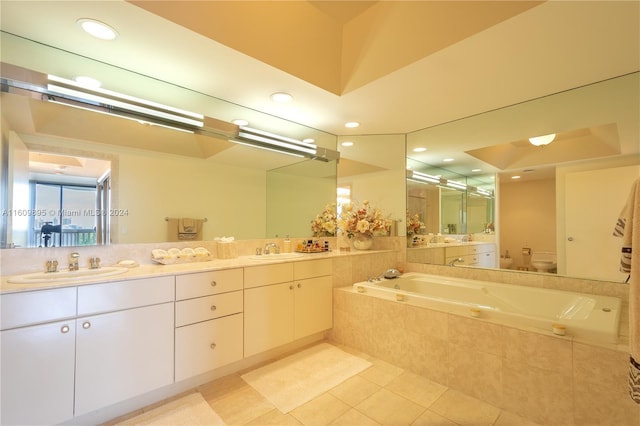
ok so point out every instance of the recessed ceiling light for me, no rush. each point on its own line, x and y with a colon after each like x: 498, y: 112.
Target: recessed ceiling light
x: 347, y: 143
x: 476, y: 170
x: 419, y: 149
x: 351, y: 124
x: 308, y: 140
x: 97, y: 29
x: 281, y: 97
x: 88, y: 82
x: 240, y: 122
x: 515, y: 177
x: 448, y: 160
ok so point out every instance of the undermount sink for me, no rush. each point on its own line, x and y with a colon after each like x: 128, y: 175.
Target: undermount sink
x: 276, y: 256
x: 66, y: 275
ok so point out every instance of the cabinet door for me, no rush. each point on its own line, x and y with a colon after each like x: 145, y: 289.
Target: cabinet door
x: 37, y: 373
x: 123, y: 354
x: 313, y: 306
x: 268, y: 317
x: 208, y: 345
x: 487, y: 259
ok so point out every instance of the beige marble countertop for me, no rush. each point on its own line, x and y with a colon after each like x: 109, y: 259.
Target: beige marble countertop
x: 157, y: 270
x: 452, y: 244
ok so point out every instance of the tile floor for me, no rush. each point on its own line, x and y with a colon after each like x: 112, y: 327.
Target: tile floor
x: 380, y: 395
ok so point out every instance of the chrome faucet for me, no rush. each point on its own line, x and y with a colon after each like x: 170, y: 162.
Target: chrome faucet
x: 269, y: 246
x: 457, y: 260
x: 74, y: 261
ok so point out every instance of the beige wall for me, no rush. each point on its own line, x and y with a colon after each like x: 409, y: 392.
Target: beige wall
x: 527, y: 218
x: 153, y: 187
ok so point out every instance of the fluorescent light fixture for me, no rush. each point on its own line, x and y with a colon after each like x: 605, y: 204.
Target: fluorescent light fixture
x: 456, y: 185
x: 419, y: 149
x: 106, y: 112
x: 423, y: 177
x: 351, y: 124
x: 123, y: 105
x: 282, y: 144
x: 347, y: 143
x: 542, y: 140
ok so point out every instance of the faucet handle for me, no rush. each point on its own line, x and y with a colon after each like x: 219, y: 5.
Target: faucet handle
x: 52, y: 265
x: 94, y: 262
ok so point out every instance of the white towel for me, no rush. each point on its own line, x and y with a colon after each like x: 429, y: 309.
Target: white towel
x: 630, y: 262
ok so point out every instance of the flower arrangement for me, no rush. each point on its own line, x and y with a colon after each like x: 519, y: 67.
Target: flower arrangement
x: 363, y: 220
x: 413, y: 224
x: 325, y: 223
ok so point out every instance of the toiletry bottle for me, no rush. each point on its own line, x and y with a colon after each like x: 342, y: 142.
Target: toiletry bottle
x: 287, y: 245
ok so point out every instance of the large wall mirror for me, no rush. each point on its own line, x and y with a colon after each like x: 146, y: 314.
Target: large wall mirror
x: 372, y: 169
x: 149, y: 174
x: 562, y: 198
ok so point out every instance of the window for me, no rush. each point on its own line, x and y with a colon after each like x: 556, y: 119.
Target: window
x: 65, y: 215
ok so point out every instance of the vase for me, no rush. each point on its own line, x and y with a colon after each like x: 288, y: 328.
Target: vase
x: 362, y: 241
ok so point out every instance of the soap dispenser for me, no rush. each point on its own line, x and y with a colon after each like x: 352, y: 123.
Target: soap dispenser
x: 287, y: 245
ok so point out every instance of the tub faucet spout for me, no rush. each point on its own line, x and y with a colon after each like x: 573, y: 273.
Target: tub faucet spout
x: 456, y: 260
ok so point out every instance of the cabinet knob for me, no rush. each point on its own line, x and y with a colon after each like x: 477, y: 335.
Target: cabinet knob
x: 64, y: 329
x: 213, y: 283
x: 213, y: 346
x: 86, y: 325
x: 299, y: 285
x: 290, y: 287
x: 213, y: 307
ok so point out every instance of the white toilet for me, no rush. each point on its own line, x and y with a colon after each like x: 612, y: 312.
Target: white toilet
x: 544, y: 261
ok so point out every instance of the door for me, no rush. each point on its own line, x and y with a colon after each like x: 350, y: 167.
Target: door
x: 593, y: 201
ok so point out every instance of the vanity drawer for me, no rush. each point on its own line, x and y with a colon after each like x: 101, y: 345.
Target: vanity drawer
x: 312, y: 268
x: 208, y: 345
x: 256, y: 276
x: 34, y: 307
x: 200, y: 284
x: 209, y: 307
x: 121, y: 295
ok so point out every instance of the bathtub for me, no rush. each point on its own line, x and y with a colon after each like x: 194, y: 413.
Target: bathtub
x: 583, y: 316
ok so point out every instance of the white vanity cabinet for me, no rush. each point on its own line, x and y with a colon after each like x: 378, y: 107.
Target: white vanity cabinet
x: 284, y: 302
x: 37, y: 352
x: 487, y: 255
x: 124, y: 341
x: 209, y: 321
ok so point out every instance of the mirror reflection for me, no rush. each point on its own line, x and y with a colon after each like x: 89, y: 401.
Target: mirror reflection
x: 555, y: 204
x: 149, y: 173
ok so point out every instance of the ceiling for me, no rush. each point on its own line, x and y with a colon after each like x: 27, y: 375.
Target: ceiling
x: 393, y: 66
